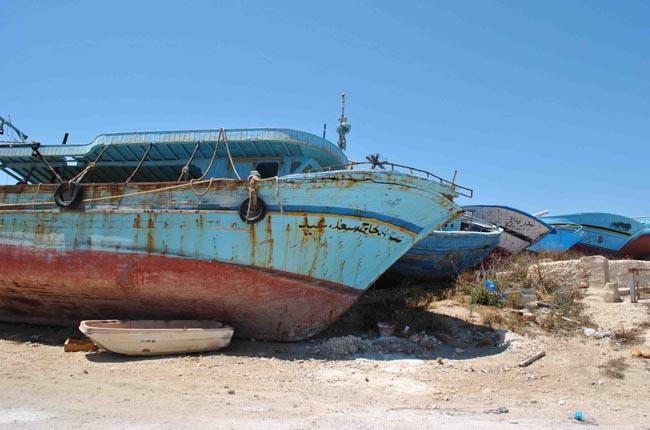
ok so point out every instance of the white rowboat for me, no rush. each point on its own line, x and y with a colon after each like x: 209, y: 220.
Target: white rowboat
x: 157, y: 337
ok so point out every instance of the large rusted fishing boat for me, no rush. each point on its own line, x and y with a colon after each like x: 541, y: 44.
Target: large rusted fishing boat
x: 227, y: 225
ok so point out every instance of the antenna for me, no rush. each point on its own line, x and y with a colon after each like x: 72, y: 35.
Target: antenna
x: 7, y: 121
x: 344, y: 127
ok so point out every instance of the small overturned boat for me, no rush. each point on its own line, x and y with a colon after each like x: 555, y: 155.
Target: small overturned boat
x: 157, y: 337
x: 459, y: 245
x: 520, y: 229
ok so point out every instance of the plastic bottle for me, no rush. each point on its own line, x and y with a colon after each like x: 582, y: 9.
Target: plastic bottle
x: 581, y: 416
x: 490, y: 286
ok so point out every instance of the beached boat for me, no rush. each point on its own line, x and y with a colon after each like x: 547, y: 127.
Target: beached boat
x: 459, y: 245
x: 157, y: 337
x: 210, y: 224
x: 520, y: 229
x: 639, y: 246
x: 558, y: 239
x: 608, y: 234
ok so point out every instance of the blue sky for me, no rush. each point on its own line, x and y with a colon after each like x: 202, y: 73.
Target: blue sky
x: 537, y: 104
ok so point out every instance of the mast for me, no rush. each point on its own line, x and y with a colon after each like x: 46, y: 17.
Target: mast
x: 344, y: 127
x: 21, y: 135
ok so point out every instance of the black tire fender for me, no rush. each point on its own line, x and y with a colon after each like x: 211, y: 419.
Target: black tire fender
x: 72, y: 188
x: 252, y: 217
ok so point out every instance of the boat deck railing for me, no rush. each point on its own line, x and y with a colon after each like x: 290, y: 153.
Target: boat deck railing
x: 385, y: 165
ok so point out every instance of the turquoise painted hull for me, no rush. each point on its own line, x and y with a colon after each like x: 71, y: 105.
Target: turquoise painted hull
x: 325, y: 236
x: 605, y: 233
x: 444, y: 254
x: 558, y: 240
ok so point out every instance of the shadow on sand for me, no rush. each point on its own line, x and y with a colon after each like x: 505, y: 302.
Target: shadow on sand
x: 420, y: 333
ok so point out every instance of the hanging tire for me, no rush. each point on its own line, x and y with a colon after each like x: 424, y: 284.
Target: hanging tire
x: 253, y: 215
x: 68, y: 195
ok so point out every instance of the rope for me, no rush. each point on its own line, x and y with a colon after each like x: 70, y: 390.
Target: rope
x: 204, y: 192
x: 38, y: 190
x: 277, y: 193
x: 185, y: 170
x: 252, y: 195
x: 81, y: 175
x: 191, y: 184
x: 214, y: 154
x: 49, y: 166
x: 90, y: 166
x: 232, y: 163
x: 146, y: 153
x: 98, y: 199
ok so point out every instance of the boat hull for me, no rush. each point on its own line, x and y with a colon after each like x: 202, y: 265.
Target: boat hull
x: 444, y: 254
x: 87, y: 285
x: 520, y: 229
x: 157, y: 337
x: 558, y: 240
x: 606, y: 234
x: 638, y: 248
x: 185, y: 253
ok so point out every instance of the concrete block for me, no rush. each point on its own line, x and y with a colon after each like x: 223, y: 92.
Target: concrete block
x: 597, y: 270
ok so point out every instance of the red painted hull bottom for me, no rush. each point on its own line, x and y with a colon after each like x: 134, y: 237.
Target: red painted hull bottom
x: 50, y: 287
x: 637, y: 249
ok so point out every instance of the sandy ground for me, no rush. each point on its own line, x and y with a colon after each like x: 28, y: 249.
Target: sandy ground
x: 323, y: 383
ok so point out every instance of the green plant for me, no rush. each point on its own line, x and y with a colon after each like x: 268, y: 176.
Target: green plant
x: 479, y: 295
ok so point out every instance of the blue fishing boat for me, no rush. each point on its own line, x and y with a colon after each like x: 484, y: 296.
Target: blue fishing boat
x: 520, y: 229
x: 459, y: 245
x: 558, y: 240
x: 226, y: 225
x: 606, y: 233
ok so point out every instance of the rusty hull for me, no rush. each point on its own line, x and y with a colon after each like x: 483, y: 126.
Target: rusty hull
x: 261, y: 304
x: 167, y: 251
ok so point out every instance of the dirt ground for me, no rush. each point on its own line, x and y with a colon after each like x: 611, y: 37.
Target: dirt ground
x: 346, y: 378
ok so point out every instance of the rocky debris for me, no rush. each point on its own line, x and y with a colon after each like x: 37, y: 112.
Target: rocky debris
x: 611, y: 294
x: 598, y: 334
x: 497, y: 411
x: 641, y: 353
x: 512, y: 339
x: 336, y: 347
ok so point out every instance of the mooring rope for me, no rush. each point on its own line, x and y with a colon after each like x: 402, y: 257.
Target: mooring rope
x: 192, y: 182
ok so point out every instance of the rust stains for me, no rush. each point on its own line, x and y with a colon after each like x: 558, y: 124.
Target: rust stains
x: 269, y: 240
x: 252, y: 240
x: 136, y: 221
x: 39, y: 230
x: 150, y: 241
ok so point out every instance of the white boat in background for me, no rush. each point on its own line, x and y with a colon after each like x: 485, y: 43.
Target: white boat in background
x: 520, y: 229
x: 157, y: 337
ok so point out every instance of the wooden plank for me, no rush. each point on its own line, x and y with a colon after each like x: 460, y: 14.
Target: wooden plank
x: 532, y: 358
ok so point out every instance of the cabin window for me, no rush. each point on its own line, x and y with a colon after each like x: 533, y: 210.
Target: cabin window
x: 295, y: 165
x: 268, y: 169
x: 244, y: 168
